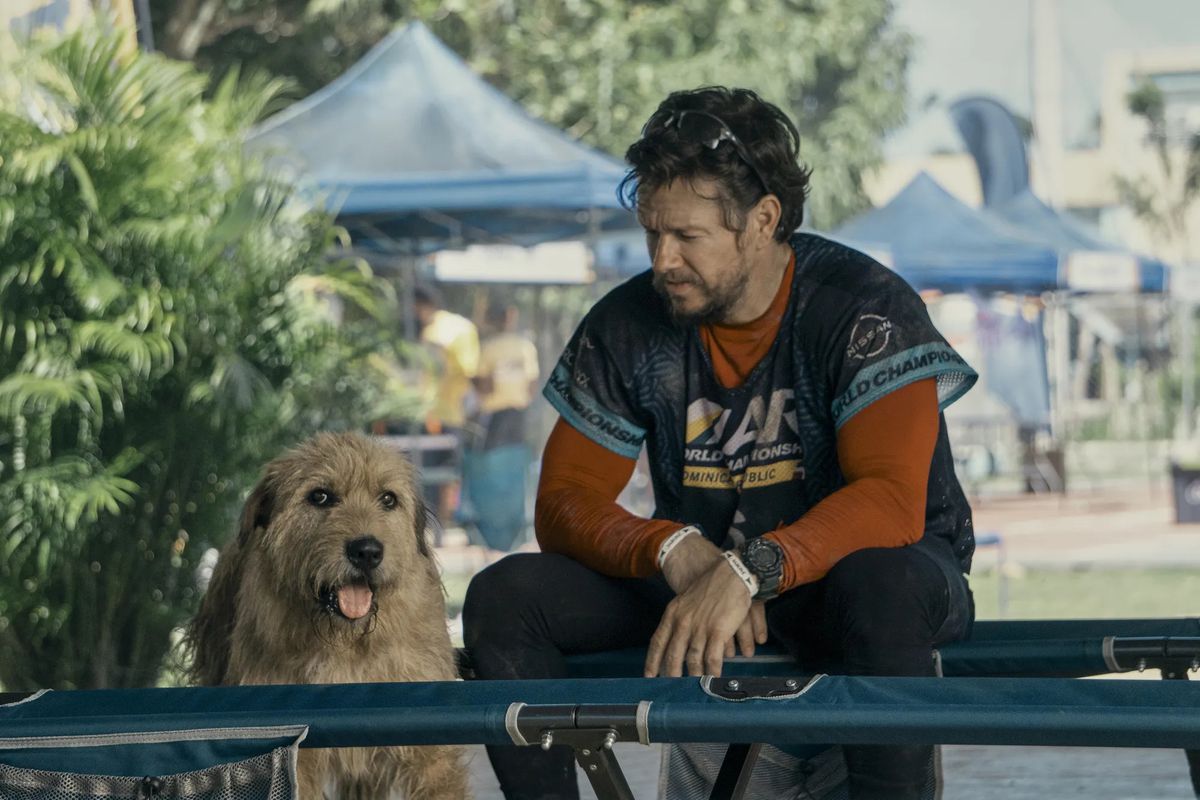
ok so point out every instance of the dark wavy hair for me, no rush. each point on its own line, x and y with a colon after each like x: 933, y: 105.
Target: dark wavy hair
x: 661, y: 156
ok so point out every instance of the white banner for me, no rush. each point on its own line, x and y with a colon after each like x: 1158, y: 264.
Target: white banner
x: 1102, y: 271
x: 554, y: 262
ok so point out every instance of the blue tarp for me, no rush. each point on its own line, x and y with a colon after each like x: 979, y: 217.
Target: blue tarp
x: 1067, y: 234
x: 410, y: 136
x: 936, y: 242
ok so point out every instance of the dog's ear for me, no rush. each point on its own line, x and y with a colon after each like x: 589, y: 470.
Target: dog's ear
x: 420, y: 524
x: 210, y: 632
x: 256, y: 513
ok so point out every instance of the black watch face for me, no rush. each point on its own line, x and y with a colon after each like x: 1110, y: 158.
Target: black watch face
x: 762, y: 556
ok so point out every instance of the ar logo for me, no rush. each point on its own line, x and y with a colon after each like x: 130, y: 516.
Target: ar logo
x: 870, y: 336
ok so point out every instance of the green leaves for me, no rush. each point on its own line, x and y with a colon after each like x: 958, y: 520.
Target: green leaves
x: 598, y: 70
x: 166, y: 323
x: 1163, y: 197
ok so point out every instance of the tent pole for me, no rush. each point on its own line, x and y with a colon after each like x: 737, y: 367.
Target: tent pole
x: 1187, y: 354
x: 408, y: 272
x: 1059, y: 336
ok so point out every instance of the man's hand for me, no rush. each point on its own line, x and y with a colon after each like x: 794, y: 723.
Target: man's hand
x: 691, y: 558
x: 699, y: 623
x: 752, y: 631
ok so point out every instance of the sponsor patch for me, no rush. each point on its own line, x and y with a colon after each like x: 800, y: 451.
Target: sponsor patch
x: 753, y: 477
x: 869, y: 337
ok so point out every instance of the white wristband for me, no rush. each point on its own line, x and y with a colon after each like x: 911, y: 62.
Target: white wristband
x: 673, y: 540
x: 742, y: 571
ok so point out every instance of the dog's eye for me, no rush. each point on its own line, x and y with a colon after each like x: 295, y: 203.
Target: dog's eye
x: 388, y: 500
x: 322, y: 498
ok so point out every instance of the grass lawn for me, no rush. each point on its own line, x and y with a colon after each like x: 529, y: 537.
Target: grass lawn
x: 1089, y: 594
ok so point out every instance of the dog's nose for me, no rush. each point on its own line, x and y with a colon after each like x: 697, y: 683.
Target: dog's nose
x: 365, y: 552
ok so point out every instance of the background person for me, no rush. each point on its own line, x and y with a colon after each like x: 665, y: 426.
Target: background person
x: 453, y: 343
x: 508, y: 372
x: 496, y: 460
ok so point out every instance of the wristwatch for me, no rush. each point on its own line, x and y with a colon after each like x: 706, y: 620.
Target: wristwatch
x: 764, y: 558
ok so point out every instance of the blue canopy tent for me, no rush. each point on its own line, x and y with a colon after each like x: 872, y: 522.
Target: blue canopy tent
x: 937, y: 242
x: 1073, y: 239
x: 410, y: 146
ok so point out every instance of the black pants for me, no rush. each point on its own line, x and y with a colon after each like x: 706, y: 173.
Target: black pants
x: 878, y: 612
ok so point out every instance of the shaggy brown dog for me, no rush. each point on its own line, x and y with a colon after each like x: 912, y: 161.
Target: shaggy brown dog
x: 330, y: 580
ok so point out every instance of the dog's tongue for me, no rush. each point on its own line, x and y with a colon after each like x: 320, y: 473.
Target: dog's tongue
x: 354, y: 601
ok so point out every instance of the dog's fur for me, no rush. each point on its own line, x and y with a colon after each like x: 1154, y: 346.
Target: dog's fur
x: 271, y: 613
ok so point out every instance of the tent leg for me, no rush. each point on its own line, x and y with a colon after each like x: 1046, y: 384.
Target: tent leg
x: 734, y: 778
x: 603, y: 772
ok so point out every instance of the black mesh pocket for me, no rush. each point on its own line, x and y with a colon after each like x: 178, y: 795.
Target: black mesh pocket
x: 30, y: 769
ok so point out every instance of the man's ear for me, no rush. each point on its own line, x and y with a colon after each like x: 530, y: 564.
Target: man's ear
x: 764, y: 219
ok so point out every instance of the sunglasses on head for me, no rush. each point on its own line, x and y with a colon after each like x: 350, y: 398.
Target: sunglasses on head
x: 709, y: 130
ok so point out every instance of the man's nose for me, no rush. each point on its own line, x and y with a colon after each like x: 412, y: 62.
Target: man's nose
x: 664, y: 255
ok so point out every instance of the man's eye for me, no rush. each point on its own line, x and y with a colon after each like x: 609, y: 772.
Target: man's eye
x: 322, y: 498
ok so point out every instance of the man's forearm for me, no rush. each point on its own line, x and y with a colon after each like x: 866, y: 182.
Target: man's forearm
x: 598, y: 533
x: 577, y: 513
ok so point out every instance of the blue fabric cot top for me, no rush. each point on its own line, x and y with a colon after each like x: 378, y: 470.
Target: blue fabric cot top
x: 835, y: 709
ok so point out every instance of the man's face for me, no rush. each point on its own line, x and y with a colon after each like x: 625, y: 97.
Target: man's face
x: 700, y: 268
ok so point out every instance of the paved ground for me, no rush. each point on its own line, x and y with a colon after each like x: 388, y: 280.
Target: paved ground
x: 1114, y: 526
x: 971, y: 773
x: 1117, y: 526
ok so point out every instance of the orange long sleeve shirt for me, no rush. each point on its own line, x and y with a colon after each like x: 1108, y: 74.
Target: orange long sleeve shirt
x: 886, y: 467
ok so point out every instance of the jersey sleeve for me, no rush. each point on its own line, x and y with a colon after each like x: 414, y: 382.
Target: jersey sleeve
x: 884, y: 340
x: 592, y: 389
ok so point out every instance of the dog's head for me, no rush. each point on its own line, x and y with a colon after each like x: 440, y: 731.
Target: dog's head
x: 340, y: 524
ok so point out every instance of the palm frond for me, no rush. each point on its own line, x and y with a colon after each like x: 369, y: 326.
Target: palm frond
x: 25, y: 394
x: 143, y: 352
x: 235, y: 383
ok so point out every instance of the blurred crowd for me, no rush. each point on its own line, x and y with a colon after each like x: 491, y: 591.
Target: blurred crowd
x: 478, y: 378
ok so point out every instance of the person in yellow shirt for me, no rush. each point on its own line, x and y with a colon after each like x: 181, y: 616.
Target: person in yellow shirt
x: 506, y: 378
x: 453, y: 343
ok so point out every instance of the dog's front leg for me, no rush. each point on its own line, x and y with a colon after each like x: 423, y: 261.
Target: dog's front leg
x: 310, y: 774
x: 434, y: 773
